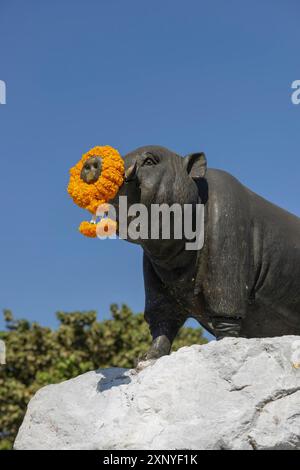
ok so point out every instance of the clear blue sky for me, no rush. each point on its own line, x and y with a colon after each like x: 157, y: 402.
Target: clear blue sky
x: 196, y: 75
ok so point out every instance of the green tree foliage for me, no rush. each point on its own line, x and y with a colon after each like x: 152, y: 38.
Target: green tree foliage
x: 38, y: 356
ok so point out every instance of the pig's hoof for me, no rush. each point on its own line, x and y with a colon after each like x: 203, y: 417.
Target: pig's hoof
x: 144, y: 360
x: 143, y: 364
x: 160, y: 347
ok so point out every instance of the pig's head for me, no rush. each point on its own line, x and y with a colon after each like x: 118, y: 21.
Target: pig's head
x: 156, y: 175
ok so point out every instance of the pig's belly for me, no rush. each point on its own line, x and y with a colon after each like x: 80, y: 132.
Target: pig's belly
x: 262, y: 320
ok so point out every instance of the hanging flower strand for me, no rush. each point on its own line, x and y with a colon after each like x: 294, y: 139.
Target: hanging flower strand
x: 94, y: 180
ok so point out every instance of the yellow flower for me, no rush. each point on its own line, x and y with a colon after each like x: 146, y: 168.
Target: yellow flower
x: 88, y: 229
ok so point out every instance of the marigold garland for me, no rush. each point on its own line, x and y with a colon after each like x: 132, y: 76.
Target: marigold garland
x: 90, y: 196
x: 88, y: 229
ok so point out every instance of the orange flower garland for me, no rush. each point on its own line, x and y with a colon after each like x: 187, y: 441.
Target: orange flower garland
x: 91, y: 196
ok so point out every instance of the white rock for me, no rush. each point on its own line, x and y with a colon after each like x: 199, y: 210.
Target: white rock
x: 234, y: 394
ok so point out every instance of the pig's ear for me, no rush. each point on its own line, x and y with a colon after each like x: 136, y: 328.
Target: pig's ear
x: 195, y: 164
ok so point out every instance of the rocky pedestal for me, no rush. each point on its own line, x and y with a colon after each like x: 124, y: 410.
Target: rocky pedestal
x: 234, y: 394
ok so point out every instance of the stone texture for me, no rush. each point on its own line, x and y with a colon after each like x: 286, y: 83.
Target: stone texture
x: 234, y: 394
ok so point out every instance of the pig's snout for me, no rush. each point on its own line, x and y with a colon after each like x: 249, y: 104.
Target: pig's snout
x: 91, y: 170
x: 131, y: 173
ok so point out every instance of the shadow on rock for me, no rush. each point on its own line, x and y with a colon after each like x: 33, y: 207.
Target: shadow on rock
x: 113, y: 377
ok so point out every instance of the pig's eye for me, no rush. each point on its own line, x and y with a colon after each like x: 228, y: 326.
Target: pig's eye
x: 149, y: 161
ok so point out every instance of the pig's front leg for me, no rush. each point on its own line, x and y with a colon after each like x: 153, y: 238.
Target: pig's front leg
x: 162, y: 314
